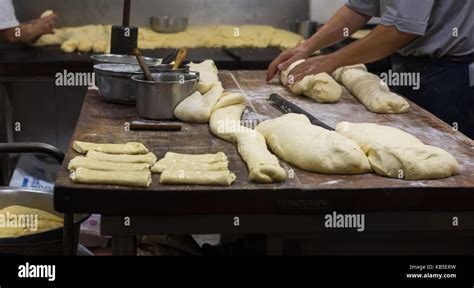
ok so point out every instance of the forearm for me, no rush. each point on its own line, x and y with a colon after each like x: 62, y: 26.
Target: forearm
x: 380, y: 43
x: 21, y: 34
x: 334, y: 30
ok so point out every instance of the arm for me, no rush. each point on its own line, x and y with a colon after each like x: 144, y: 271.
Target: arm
x: 329, y: 34
x: 381, y: 42
x: 28, y: 31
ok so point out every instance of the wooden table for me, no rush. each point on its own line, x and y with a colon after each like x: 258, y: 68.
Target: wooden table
x: 297, y: 204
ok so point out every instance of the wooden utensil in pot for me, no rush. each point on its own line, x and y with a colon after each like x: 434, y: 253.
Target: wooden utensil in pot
x: 182, y: 54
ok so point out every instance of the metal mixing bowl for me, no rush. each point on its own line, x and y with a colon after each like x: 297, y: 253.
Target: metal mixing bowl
x: 122, y: 59
x: 45, y: 243
x: 165, y: 24
x: 114, y: 82
x: 158, y: 100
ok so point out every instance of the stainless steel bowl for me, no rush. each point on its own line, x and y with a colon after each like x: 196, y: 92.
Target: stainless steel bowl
x: 164, y: 68
x: 45, y: 243
x: 114, y: 82
x: 122, y: 59
x: 167, y: 24
x: 158, y: 100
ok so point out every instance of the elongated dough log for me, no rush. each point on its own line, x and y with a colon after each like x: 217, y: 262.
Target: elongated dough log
x: 209, y: 178
x: 369, y: 89
x: 121, y: 178
x: 293, y: 138
x: 208, y: 75
x: 225, y: 122
x: 69, y: 46
x: 166, y: 164
x: 148, y: 158
x: 397, y: 154
x: 201, y: 158
x: 93, y: 164
x: 321, y: 87
x: 229, y: 99
x: 132, y: 148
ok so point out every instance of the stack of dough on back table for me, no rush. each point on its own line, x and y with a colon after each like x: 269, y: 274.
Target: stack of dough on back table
x: 190, y: 169
x: 224, y: 111
x: 112, y: 164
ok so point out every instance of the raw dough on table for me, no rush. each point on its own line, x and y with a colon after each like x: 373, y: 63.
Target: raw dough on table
x: 197, y: 108
x: 121, y: 178
x: 229, y: 99
x: 225, y: 123
x: 208, y: 178
x: 201, y: 158
x: 165, y: 164
x: 45, y: 221
x: 321, y: 87
x: 370, y: 90
x: 293, y: 138
x: 397, y: 154
x: 93, y: 164
x: 132, y: 148
x: 208, y: 75
x: 149, y: 158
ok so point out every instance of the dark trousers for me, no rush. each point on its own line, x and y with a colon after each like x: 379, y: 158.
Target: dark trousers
x: 445, y: 89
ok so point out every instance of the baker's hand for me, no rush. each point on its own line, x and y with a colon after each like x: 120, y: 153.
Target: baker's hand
x: 285, y: 59
x: 44, y: 25
x: 313, y: 66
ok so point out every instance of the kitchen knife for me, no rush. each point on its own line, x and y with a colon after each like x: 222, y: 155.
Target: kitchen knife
x: 142, y: 125
x: 288, y: 107
x: 171, y: 57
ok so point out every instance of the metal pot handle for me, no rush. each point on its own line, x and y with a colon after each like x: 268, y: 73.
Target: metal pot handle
x: 8, y: 148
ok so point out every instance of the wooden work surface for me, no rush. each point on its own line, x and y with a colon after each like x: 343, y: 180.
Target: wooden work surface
x: 305, y: 193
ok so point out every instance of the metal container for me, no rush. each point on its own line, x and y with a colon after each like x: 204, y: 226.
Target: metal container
x: 165, y: 24
x: 306, y: 28
x: 164, y: 68
x: 45, y: 243
x: 122, y: 59
x: 113, y: 81
x: 158, y: 100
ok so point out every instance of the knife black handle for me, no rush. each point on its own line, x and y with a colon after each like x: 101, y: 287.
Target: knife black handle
x: 170, y: 57
x: 289, y: 107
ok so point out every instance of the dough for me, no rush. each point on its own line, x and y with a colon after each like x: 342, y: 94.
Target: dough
x: 209, y: 178
x: 197, y: 108
x: 69, y: 46
x: 370, y: 91
x: 29, y: 221
x: 121, y: 178
x: 129, y: 148
x: 229, y: 99
x: 321, y: 87
x: 165, y: 164
x: 263, y: 166
x: 201, y: 158
x: 397, y: 154
x: 149, y: 158
x: 293, y: 138
x: 93, y: 164
x: 361, y: 34
x: 85, y: 46
x: 47, y: 13
x: 208, y: 75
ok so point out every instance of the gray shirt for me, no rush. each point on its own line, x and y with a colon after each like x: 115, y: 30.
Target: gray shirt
x: 7, y: 15
x: 446, y: 26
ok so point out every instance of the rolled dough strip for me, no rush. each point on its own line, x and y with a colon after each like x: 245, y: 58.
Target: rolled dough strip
x: 208, y: 178
x: 370, y: 90
x: 397, y: 154
x: 197, y: 108
x: 293, y: 138
x: 321, y: 87
x: 148, y: 158
x: 208, y: 75
x: 225, y: 122
x: 93, y: 164
x: 165, y: 164
x: 121, y: 178
x: 132, y: 148
x: 201, y: 158
x: 229, y: 99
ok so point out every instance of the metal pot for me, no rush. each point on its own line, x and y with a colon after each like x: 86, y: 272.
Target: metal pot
x: 165, y: 68
x: 165, y: 24
x: 46, y: 243
x: 113, y: 81
x: 122, y: 59
x: 158, y: 100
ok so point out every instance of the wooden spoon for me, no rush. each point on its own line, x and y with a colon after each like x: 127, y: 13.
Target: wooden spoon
x: 143, y: 65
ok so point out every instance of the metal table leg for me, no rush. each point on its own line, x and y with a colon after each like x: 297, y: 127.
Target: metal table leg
x: 68, y: 235
x: 124, y: 245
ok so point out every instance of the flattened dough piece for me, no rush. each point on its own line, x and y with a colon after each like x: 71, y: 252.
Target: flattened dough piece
x: 208, y: 178
x: 197, y: 108
x: 397, y: 154
x: 370, y: 90
x: 208, y: 75
x: 148, y: 158
x: 165, y: 164
x: 121, y: 178
x: 293, y: 138
x: 201, y: 158
x: 132, y: 148
x: 93, y: 164
x: 321, y: 87
x: 46, y: 222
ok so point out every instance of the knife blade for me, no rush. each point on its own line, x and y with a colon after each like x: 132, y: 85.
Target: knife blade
x: 288, y: 107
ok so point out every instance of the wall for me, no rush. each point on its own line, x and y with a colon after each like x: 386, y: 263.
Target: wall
x: 278, y: 13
